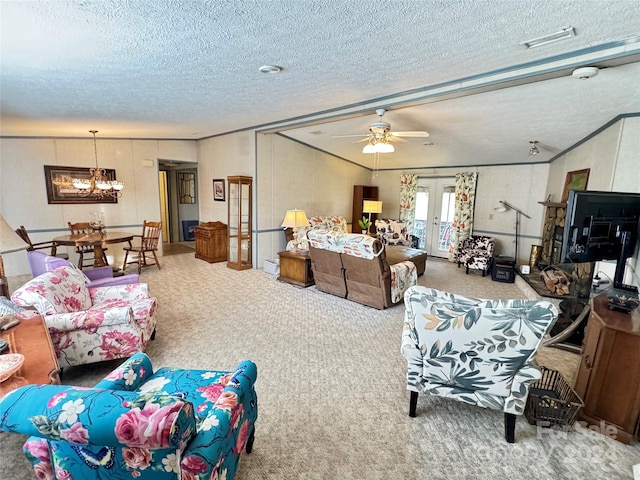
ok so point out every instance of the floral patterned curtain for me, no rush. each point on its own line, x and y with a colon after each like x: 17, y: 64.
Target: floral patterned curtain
x: 463, y: 211
x: 408, y: 189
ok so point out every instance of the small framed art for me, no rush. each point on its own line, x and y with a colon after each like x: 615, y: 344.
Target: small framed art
x: 218, y: 190
x: 576, y: 180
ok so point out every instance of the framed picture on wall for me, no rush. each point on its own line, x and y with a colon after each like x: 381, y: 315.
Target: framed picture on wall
x: 60, y: 189
x: 576, y: 180
x: 218, y: 190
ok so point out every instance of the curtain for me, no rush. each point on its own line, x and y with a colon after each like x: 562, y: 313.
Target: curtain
x: 463, y: 211
x: 408, y: 189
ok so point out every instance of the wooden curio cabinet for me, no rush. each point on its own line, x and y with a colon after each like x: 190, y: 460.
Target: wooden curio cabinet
x: 240, y: 221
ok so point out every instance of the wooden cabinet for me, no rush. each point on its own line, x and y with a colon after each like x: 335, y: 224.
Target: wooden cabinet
x: 211, y: 242
x: 360, y: 194
x: 240, y: 222
x: 295, y: 268
x: 608, y: 378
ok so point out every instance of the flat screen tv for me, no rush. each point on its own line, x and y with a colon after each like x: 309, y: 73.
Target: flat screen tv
x: 601, y: 226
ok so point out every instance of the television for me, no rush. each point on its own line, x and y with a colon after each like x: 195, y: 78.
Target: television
x: 601, y: 226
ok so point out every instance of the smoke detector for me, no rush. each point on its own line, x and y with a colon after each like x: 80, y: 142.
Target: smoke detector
x: 585, y: 72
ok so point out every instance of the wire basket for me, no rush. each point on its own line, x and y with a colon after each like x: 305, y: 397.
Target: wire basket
x: 552, y: 402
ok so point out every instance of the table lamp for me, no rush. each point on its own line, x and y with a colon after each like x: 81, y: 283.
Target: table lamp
x: 295, y: 219
x: 371, y: 206
x: 9, y: 242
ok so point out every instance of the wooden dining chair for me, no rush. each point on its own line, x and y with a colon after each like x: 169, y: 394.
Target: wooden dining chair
x: 85, y: 227
x: 143, y: 244
x: 24, y: 235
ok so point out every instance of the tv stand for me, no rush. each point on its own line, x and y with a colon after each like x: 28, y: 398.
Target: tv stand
x: 608, y: 378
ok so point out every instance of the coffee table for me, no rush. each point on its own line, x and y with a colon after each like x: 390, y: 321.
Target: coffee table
x: 30, y: 338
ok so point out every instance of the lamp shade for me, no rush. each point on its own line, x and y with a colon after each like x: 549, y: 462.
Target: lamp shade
x: 295, y: 218
x: 9, y: 239
x: 371, y: 206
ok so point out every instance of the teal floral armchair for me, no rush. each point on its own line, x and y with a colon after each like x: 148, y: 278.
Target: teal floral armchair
x: 138, y: 424
x: 473, y: 350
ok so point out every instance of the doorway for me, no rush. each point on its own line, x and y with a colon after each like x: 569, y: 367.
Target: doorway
x: 178, y: 205
x: 435, y: 200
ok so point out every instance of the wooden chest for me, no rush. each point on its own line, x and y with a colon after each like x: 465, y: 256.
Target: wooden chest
x: 211, y: 242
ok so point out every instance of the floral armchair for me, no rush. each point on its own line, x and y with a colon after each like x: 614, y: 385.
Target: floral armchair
x: 89, y: 325
x: 94, y: 277
x: 137, y: 423
x: 476, y: 252
x: 394, y: 232
x: 473, y: 350
x: 334, y: 223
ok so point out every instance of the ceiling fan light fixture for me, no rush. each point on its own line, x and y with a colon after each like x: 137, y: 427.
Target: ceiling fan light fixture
x: 369, y: 148
x: 533, y: 150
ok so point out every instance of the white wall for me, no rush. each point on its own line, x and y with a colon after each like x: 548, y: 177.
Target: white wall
x: 218, y: 158
x: 523, y: 186
x: 291, y: 175
x: 23, y: 197
x: 612, y: 156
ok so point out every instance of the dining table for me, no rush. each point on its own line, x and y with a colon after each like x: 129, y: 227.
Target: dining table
x: 95, y: 239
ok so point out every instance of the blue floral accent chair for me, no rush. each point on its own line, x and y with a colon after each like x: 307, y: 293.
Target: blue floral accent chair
x: 476, y: 252
x: 476, y: 351
x: 88, y: 324
x: 138, y: 424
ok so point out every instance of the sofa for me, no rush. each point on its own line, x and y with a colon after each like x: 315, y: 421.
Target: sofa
x: 90, y: 325
x: 95, y: 277
x: 137, y: 423
x: 335, y: 223
x: 354, y: 266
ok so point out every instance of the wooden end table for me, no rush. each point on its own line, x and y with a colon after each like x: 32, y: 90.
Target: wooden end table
x: 295, y: 268
x: 31, y: 338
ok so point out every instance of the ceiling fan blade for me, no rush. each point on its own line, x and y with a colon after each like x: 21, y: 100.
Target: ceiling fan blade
x: 347, y: 136
x: 393, y: 138
x: 363, y: 140
x: 416, y: 134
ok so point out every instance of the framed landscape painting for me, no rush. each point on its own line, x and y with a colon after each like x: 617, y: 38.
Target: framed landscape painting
x: 576, y: 180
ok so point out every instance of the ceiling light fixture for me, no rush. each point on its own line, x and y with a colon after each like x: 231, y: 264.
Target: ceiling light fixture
x: 270, y: 69
x: 98, y: 185
x: 563, y: 34
x: 378, y: 145
x: 534, y: 148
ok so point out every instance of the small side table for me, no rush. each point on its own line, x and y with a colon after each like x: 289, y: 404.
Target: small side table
x: 31, y: 338
x: 295, y: 268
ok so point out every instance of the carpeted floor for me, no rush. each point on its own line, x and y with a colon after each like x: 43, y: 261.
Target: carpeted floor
x: 331, y: 384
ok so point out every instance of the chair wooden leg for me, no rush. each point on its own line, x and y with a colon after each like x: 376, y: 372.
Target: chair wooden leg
x: 124, y: 263
x: 467, y: 272
x: 140, y: 258
x: 81, y: 260
x: 510, y: 427
x: 413, y: 403
x: 156, y: 258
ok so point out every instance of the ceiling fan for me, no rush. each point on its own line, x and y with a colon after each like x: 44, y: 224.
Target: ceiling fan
x: 380, y: 133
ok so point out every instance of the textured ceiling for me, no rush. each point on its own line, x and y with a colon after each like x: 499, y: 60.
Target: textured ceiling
x: 189, y: 69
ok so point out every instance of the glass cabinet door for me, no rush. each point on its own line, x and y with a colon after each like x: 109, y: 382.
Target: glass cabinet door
x: 239, y: 222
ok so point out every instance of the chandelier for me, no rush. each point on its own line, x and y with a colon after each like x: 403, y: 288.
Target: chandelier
x: 98, y: 185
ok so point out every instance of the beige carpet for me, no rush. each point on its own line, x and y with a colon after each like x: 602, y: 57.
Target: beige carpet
x: 331, y: 385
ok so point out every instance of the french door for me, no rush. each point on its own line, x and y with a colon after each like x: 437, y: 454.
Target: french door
x: 434, y: 214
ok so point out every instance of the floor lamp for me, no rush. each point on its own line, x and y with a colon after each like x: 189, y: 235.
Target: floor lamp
x: 371, y: 206
x: 9, y: 242
x: 504, y: 206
